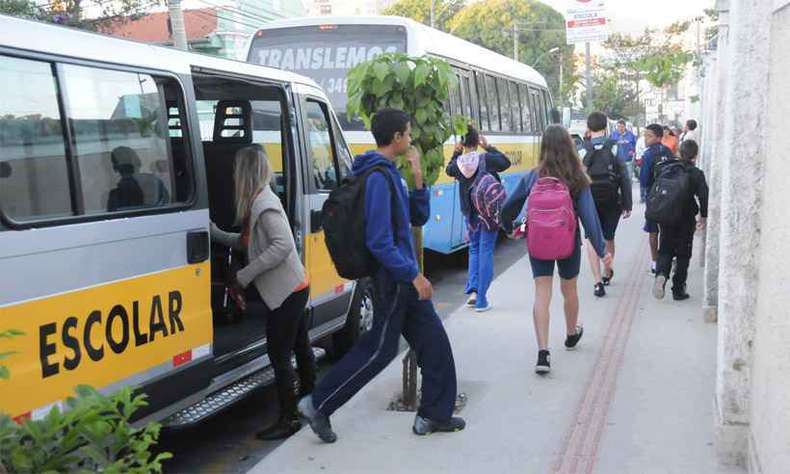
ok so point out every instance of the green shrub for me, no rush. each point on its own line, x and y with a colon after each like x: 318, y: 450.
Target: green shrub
x: 92, y: 435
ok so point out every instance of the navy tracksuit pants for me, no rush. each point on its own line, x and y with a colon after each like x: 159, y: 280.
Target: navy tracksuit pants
x: 397, y: 311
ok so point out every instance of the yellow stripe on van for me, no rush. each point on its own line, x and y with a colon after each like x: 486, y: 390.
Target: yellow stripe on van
x: 101, y: 335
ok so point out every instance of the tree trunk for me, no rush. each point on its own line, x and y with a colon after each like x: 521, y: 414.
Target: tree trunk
x: 409, y: 396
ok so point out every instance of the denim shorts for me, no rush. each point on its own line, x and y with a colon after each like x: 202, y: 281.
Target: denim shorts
x: 568, y: 268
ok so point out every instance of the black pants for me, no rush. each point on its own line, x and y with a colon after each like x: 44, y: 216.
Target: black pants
x: 398, y: 311
x: 675, y: 241
x: 286, y: 333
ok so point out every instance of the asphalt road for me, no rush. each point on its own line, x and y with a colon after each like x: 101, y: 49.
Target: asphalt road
x: 227, y: 444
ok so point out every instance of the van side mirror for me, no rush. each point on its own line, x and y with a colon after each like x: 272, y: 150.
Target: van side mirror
x: 5, y: 170
x: 556, y: 117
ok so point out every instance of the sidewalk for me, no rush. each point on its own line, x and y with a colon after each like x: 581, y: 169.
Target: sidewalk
x: 636, y: 397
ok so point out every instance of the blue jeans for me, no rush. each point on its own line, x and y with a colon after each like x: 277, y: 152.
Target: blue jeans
x: 481, y: 263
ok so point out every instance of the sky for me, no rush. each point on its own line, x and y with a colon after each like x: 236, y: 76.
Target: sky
x: 631, y: 16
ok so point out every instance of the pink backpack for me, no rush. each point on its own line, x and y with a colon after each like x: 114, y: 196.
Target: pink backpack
x: 551, y: 220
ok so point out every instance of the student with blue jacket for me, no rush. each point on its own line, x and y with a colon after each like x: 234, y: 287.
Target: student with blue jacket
x: 401, y: 294
x: 558, y: 159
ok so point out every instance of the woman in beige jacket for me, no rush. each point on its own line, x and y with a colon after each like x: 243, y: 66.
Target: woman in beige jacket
x: 275, y: 269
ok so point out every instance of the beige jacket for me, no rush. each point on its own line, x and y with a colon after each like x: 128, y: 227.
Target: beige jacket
x: 273, y: 262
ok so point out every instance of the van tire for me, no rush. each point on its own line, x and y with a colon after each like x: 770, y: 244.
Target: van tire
x: 359, y: 320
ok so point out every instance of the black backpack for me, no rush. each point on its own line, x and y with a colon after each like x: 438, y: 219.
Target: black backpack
x: 670, y: 193
x: 604, y: 172
x: 343, y: 220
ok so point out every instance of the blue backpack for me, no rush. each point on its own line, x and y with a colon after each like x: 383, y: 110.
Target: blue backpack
x: 488, y: 196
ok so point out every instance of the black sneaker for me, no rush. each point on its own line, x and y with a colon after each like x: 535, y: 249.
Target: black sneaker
x: 599, y: 290
x: 608, y: 279
x: 318, y: 422
x: 544, y: 363
x: 659, y: 287
x: 424, y: 426
x: 680, y: 294
x: 572, y: 340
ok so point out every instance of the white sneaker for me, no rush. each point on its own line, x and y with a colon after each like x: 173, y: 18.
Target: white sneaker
x: 472, y: 300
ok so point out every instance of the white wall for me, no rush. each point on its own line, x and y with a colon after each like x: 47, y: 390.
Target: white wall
x: 770, y: 413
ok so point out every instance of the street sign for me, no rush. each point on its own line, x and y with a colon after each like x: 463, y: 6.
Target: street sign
x: 586, y: 22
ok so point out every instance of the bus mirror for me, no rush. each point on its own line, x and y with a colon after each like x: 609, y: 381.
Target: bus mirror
x: 5, y: 170
x: 556, y: 118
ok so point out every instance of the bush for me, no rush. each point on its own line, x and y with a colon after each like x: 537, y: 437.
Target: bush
x: 92, y: 435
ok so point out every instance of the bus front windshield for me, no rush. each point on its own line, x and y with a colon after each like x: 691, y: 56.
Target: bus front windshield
x: 325, y: 53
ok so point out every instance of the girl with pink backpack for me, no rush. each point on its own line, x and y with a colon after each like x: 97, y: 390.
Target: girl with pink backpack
x: 557, y: 194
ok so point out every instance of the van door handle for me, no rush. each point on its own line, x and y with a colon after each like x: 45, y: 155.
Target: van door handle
x: 316, y: 221
x: 197, y: 246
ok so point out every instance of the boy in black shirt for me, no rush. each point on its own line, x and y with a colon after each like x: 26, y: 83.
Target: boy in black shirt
x: 676, y: 241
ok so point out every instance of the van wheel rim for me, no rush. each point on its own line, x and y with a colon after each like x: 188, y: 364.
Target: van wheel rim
x: 366, y: 312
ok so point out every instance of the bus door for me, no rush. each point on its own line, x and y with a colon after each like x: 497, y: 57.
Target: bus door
x: 103, y: 241
x: 234, y: 113
x: 327, y: 163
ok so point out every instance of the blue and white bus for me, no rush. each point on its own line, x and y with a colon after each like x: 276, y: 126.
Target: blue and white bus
x: 508, y: 100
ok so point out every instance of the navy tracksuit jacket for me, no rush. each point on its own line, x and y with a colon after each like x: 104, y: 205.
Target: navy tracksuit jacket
x: 397, y: 308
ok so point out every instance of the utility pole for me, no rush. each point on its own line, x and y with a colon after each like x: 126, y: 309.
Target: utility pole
x: 560, y: 88
x: 588, y: 76
x: 179, y: 33
x: 433, y: 7
x: 515, y: 41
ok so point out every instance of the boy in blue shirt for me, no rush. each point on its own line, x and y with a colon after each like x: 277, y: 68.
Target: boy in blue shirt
x: 401, y: 294
x: 654, y: 153
x: 626, y: 146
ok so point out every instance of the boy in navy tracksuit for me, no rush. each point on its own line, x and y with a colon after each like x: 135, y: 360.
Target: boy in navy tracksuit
x: 402, y: 295
x: 654, y: 154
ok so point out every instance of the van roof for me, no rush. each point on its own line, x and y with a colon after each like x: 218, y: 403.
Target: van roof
x: 47, y: 38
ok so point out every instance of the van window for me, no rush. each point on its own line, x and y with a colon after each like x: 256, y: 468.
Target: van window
x: 320, y: 148
x: 121, y: 153
x: 34, y: 181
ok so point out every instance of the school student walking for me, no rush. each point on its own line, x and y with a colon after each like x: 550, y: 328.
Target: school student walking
x: 557, y: 194
x: 402, y: 295
x: 680, y: 193
x: 611, y: 191
x: 478, y: 194
x: 655, y: 153
x: 626, y: 145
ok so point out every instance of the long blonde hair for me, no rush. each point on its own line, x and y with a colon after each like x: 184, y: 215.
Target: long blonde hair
x: 251, y: 174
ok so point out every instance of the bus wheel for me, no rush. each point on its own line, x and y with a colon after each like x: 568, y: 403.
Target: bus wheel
x: 359, y: 321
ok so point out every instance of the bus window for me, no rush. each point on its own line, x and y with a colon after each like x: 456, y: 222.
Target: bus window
x: 515, y: 110
x: 471, y: 98
x: 534, y: 103
x: 483, y: 101
x: 526, y: 116
x: 120, y: 129
x: 325, y: 53
x: 504, y: 105
x: 320, y: 148
x: 493, y: 104
x: 35, y: 183
x: 455, y: 98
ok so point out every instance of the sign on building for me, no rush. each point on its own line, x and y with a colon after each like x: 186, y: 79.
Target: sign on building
x: 586, y: 22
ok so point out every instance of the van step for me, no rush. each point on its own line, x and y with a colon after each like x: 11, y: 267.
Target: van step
x: 227, y: 396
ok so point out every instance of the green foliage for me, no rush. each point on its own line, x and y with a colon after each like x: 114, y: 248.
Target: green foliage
x: 92, y: 435
x: 615, y: 98
x: 9, y: 334
x: 419, y: 86
x: 420, y: 10
x: 540, y: 28
x: 71, y: 12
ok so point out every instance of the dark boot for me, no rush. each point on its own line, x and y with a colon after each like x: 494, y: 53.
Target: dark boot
x: 679, y: 293
x: 285, y: 427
